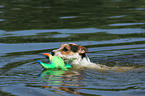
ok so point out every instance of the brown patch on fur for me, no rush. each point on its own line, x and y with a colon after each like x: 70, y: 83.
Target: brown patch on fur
x: 81, y: 47
x: 66, y: 49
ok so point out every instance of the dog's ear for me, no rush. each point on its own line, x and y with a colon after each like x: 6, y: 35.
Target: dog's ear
x: 83, y: 48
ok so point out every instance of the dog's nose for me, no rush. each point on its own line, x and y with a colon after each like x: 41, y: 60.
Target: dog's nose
x: 52, y: 53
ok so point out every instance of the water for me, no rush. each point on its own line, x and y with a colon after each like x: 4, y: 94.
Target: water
x: 112, y: 30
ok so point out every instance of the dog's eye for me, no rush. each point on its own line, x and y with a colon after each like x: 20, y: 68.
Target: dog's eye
x: 74, y: 48
x: 65, y: 49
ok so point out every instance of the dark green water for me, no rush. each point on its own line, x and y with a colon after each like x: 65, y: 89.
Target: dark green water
x: 112, y: 30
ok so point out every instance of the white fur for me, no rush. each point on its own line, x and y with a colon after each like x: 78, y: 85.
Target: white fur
x: 77, y: 61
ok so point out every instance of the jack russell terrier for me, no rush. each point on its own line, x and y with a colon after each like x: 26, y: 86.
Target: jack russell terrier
x: 76, y: 56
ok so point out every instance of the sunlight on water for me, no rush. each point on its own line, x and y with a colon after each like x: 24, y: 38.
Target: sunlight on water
x: 69, y: 31
x: 125, y: 24
x: 67, y: 17
x: 117, y: 16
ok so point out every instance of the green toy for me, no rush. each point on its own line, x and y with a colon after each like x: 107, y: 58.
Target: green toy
x: 55, y: 63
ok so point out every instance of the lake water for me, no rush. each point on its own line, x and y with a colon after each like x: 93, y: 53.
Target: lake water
x: 112, y: 30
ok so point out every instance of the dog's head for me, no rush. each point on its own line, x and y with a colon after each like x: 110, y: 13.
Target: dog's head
x: 72, y: 53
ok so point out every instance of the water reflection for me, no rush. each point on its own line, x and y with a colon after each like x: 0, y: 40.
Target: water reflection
x: 67, y: 81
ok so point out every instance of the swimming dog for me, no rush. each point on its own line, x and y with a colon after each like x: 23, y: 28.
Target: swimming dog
x: 75, y: 55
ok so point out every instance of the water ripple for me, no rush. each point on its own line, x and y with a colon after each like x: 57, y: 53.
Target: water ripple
x: 126, y: 24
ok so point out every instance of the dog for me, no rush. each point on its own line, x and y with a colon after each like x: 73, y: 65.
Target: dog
x: 75, y: 55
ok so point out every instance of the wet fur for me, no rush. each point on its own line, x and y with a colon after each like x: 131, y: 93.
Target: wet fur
x: 76, y: 56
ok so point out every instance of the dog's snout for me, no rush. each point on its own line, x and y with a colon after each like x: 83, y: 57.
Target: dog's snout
x: 52, y: 53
